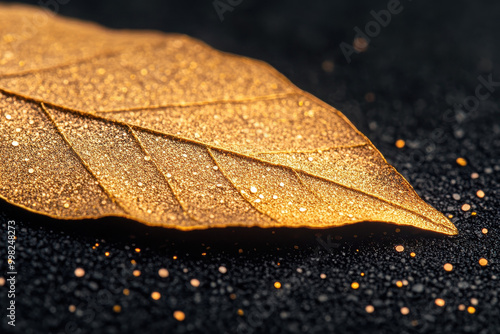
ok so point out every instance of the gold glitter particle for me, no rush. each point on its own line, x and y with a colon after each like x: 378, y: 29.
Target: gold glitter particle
x: 405, y: 310
x: 461, y: 307
x: 484, y: 231
x: 400, y: 248
x: 79, y: 272
x: 483, y: 262
x: 106, y: 253
x: 240, y: 312
x: 362, y: 274
x: 474, y: 301
x: 277, y: 285
x: 465, y: 207
x: 72, y: 308
x: 399, y: 284
x: 369, y: 309
x: 480, y: 194
x: 99, y: 106
x: 133, y: 262
x: 400, y: 143
x: 137, y: 250
x: 2, y: 281
x: 126, y: 292
x: 360, y: 44
x: 471, y: 309
x: 412, y: 254
x: 323, y: 276
x: 462, y: 162
x: 117, y: 308
x: 474, y: 175
x: 232, y: 296
x: 448, y: 267
x: 355, y: 285
x: 136, y: 273
x: 222, y: 269
x: 155, y: 295
x: 440, y: 302
x: 194, y: 282
x: 179, y: 315
x: 163, y: 273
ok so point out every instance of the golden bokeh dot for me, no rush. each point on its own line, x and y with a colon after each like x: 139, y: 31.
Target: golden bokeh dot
x: 194, y: 282
x: 155, y: 295
x: 277, y: 285
x: 240, y: 312
x: 136, y: 273
x: 72, y: 308
x: 117, y: 308
x: 484, y: 230
x: 462, y: 162
x: 2, y: 281
x: 405, y: 310
x: 106, y: 253
x: 355, y: 285
x: 126, y: 292
x: 323, y: 276
x: 399, y: 248
x: 163, y: 272
x: 465, y: 207
x: 399, y: 284
x: 448, y: 267
x: 471, y: 309
x: 137, y: 250
x: 412, y: 254
x: 483, y: 262
x: 461, y: 307
x: 360, y: 44
x: 440, y: 302
x: 179, y: 315
x: 480, y: 193
x: 369, y: 308
x: 400, y: 143
x: 79, y: 272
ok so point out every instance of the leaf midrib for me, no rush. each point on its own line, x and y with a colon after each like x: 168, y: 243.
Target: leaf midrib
x: 220, y: 149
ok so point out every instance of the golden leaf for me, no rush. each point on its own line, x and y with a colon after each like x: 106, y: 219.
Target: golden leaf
x: 165, y: 130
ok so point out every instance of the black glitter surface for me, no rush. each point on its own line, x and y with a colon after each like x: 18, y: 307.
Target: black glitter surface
x: 422, y: 67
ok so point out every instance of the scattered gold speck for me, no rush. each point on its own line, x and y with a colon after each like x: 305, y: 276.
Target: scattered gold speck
x: 412, y: 254
x: 461, y: 307
x: 277, y: 285
x: 465, y: 207
x: 405, y: 310
x: 474, y: 301
x: 240, y: 312
x: 355, y: 285
x: 133, y: 262
x: 137, y: 250
x: 360, y: 44
x: 462, y: 162
x: 117, y: 308
x: 79, y: 272
x: 483, y: 262
x: 369, y: 308
x: 448, y: 267
x: 2, y: 281
x: 126, y: 292
x: 106, y: 253
x: 400, y: 143
x: 399, y: 284
x: 440, y: 302
x: 399, y: 248
x: 136, y: 273
x: 484, y: 230
x: 480, y: 194
x: 179, y: 315
x: 163, y: 272
x: 474, y: 175
x: 72, y: 308
x: 194, y: 282
x: 323, y: 276
x: 471, y: 309
x: 222, y: 269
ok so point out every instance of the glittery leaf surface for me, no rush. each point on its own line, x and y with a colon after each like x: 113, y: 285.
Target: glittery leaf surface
x: 165, y: 130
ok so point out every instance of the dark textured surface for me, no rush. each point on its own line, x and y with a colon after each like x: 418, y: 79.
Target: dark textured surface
x: 425, y: 62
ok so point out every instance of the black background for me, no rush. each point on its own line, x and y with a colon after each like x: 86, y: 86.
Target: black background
x: 421, y: 68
